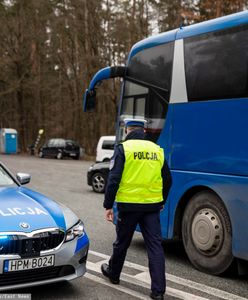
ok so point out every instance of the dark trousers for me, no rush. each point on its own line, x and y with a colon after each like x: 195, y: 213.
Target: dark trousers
x: 149, y: 223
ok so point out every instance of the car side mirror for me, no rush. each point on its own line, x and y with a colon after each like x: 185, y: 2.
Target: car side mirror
x: 23, y: 178
x: 89, y: 100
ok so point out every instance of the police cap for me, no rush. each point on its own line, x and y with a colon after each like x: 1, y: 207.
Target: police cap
x: 135, y: 122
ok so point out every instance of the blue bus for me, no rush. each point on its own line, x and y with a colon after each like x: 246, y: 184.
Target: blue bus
x: 191, y: 85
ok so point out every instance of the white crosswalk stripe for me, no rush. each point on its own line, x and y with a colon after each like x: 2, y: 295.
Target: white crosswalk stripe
x: 141, y: 279
x: 117, y: 287
x: 144, y: 276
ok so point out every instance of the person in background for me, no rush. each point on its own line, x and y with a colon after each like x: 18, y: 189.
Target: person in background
x: 139, y: 181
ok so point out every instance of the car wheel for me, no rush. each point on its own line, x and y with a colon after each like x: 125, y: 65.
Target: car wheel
x: 207, y: 233
x: 98, y: 183
x: 41, y: 154
x: 76, y: 157
x: 59, y: 155
x: 106, y: 159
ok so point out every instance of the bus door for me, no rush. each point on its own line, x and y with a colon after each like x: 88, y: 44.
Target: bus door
x: 142, y: 102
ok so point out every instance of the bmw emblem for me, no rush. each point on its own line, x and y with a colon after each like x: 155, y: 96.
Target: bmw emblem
x: 24, y: 225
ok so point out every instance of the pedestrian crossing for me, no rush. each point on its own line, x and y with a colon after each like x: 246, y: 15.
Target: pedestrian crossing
x: 138, y: 275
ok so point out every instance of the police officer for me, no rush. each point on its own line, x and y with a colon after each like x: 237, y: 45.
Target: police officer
x: 139, y: 181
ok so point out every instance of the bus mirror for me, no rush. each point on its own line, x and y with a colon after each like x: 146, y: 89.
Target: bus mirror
x: 89, y: 100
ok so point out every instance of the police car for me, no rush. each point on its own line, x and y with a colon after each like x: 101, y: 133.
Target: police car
x: 41, y: 241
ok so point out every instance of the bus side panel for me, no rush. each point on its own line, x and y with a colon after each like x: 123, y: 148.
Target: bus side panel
x: 233, y: 191
x: 211, y: 137
x: 208, y: 147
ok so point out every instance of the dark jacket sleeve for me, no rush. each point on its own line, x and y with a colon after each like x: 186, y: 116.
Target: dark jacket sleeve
x: 115, y: 173
x: 167, y: 180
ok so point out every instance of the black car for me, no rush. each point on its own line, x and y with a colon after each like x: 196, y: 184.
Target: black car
x: 60, y: 148
x: 97, y: 176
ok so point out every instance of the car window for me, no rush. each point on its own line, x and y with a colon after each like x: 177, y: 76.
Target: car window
x: 71, y: 143
x: 50, y: 143
x: 56, y: 143
x: 5, y: 179
x: 108, y: 145
x: 60, y: 143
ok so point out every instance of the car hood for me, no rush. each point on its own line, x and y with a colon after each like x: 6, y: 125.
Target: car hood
x: 100, y: 165
x: 21, y: 205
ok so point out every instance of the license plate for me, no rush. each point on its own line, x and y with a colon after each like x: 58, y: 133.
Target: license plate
x: 73, y: 154
x: 28, y: 263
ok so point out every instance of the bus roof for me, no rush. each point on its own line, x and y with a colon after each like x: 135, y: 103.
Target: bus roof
x: 191, y: 30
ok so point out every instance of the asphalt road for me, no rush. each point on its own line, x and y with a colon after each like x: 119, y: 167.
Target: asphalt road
x: 65, y: 181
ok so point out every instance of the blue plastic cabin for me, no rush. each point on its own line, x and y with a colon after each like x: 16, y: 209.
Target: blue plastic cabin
x: 8, y: 141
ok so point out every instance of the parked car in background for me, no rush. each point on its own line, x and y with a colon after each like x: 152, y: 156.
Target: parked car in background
x: 97, y: 176
x: 105, y: 148
x: 60, y: 148
x: 41, y: 241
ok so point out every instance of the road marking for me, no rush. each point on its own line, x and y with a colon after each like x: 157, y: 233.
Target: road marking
x: 131, y: 279
x: 116, y: 287
x: 204, y: 288
x: 145, y: 277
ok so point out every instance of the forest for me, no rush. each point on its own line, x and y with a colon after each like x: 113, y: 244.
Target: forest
x: 50, y: 49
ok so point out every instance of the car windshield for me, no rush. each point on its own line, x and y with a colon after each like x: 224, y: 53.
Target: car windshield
x: 5, y: 178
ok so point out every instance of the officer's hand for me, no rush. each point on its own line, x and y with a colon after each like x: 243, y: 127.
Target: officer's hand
x: 109, y: 215
x: 162, y: 207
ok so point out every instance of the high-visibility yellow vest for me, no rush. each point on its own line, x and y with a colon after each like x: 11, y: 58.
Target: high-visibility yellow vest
x: 141, y: 181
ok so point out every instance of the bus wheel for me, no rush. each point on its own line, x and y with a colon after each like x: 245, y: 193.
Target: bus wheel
x: 207, y: 233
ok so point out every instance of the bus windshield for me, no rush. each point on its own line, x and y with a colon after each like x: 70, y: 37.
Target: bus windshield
x: 147, y: 88
x: 145, y: 103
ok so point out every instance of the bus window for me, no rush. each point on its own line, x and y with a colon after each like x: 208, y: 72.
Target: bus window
x: 134, y: 100
x: 216, y: 64
x: 133, y: 105
x: 148, y: 94
x: 142, y: 102
x: 153, y: 65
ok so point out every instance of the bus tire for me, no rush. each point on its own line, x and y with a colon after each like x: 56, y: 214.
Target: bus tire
x: 207, y: 233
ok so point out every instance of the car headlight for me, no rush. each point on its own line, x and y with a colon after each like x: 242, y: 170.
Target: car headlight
x: 75, y: 231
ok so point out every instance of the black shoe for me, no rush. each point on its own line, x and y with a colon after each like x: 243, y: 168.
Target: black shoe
x: 106, y: 272
x: 157, y: 296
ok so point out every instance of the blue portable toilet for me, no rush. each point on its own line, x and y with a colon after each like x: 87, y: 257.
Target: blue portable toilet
x: 8, y: 141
